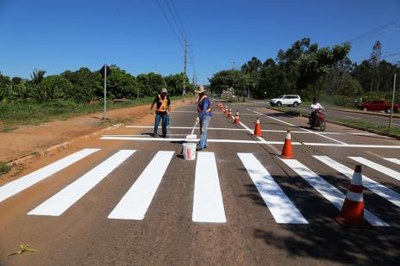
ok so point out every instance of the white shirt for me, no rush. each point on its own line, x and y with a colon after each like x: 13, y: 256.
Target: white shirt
x: 316, y: 106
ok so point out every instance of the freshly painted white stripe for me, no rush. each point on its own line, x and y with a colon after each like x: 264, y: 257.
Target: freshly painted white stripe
x: 267, y: 130
x: 106, y: 137
x: 60, y: 202
x: 273, y: 118
x: 31, y: 179
x: 134, y: 204
x: 393, y: 160
x: 383, y: 169
x: 282, y: 209
x: 331, y: 193
x: 208, y: 206
x: 379, y: 189
x: 357, y: 197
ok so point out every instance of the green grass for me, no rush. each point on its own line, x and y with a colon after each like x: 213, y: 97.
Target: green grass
x: 369, y: 126
x: 31, y: 113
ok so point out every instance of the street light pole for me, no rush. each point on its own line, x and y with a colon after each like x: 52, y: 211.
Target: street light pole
x: 391, y: 109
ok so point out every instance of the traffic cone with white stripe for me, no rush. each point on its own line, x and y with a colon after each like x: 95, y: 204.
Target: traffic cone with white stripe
x: 229, y: 116
x: 287, y: 151
x: 226, y: 110
x: 352, y: 212
x: 236, y: 121
x: 257, y: 128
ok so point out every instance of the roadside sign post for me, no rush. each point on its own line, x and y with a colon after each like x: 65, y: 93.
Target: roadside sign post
x: 105, y: 70
x: 391, y: 109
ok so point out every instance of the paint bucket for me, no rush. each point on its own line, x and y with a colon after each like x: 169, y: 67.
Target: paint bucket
x: 189, y: 151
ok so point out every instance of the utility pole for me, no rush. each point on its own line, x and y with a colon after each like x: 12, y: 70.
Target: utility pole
x: 184, y: 69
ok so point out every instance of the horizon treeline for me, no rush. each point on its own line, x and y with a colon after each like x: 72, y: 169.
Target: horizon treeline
x: 304, y: 69
x: 311, y: 71
x: 85, y: 85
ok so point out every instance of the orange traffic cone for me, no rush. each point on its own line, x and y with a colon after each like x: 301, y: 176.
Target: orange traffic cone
x: 226, y: 110
x: 352, y: 213
x: 287, y: 146
x: 229, y: 116
x: 257, y: 128
x: 236, y: 121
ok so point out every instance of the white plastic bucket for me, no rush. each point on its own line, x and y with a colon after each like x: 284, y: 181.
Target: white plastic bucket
x: 189, y: 151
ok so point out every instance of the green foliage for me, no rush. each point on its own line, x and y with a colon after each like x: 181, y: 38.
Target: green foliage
x: 121, y: 84
x: 87, y: 86
x: 4, y: 168
x: 230, y: 78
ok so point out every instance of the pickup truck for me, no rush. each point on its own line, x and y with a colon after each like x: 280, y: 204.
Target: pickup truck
x: 378, y: 105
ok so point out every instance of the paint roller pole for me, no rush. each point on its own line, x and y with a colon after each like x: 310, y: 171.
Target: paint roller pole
x: 195, y: 124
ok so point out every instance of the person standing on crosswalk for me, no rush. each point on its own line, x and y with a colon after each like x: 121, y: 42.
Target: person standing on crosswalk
x: 163, y: 108
x: 204, y: 116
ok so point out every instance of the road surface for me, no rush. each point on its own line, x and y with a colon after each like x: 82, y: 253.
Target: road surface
x: 126, y: 198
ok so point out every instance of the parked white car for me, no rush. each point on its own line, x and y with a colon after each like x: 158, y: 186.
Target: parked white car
x: 288, y: 99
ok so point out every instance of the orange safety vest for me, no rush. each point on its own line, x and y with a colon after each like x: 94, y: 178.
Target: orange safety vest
x: 199, y: 104
x: 164, y: 104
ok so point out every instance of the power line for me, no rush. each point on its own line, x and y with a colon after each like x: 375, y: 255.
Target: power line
x: 391, y: 26
x: 169, y: 23
x: 175, y: 16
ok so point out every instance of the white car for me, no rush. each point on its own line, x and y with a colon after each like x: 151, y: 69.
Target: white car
x: 288, y: 99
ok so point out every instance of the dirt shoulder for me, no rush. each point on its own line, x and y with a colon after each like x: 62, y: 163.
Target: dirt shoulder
x: 26, y: 143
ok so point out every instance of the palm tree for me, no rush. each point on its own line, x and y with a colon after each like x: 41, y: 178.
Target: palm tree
x: 37, y: 76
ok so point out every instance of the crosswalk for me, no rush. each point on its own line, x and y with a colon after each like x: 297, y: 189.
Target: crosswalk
x: 208, y: 199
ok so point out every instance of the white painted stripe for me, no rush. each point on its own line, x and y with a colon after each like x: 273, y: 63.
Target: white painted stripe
x: 337, y: 145
x: 31, y: 179
x: 267, y: 130
x: 379, y: 189
x: 60, y: 202
x: 134, y: 204
x: 393, y: 160
x: 282, y: 209
x: 312, y: 132
x: 208, y: 205
x: 329, y: 192
x: 380, y: 168
x: 276, y: 119
x: 357, y: 197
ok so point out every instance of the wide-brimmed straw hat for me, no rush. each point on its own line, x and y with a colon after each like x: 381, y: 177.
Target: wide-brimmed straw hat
x: 200, y: 89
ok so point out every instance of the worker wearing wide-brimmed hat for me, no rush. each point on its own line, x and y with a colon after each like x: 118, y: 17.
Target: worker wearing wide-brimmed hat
x: 163, y: 103
x: 204, y: 113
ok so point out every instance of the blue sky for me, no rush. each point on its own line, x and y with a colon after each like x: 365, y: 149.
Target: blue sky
x: 56, y: 35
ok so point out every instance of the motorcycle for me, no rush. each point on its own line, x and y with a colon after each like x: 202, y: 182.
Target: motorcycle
x: 318, y: 120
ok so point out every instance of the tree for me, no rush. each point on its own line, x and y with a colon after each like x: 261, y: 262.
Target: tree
x: 5, y: 84
x: 272, y: 79
x: 120, y: 84
x: 37, y: 76
x: 54, y: 87
x: 315, y: 64
x: 150, y: 84
x: 175, y: 83
x: 229, y: 78
x: 87, y: 85
x: 253, y: 69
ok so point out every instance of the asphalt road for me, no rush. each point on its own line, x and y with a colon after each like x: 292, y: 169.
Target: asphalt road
x: 337, y: 114
x: 130, y: 199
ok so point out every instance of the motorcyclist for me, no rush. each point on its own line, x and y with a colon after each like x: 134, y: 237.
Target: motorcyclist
x: 315, y: 106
